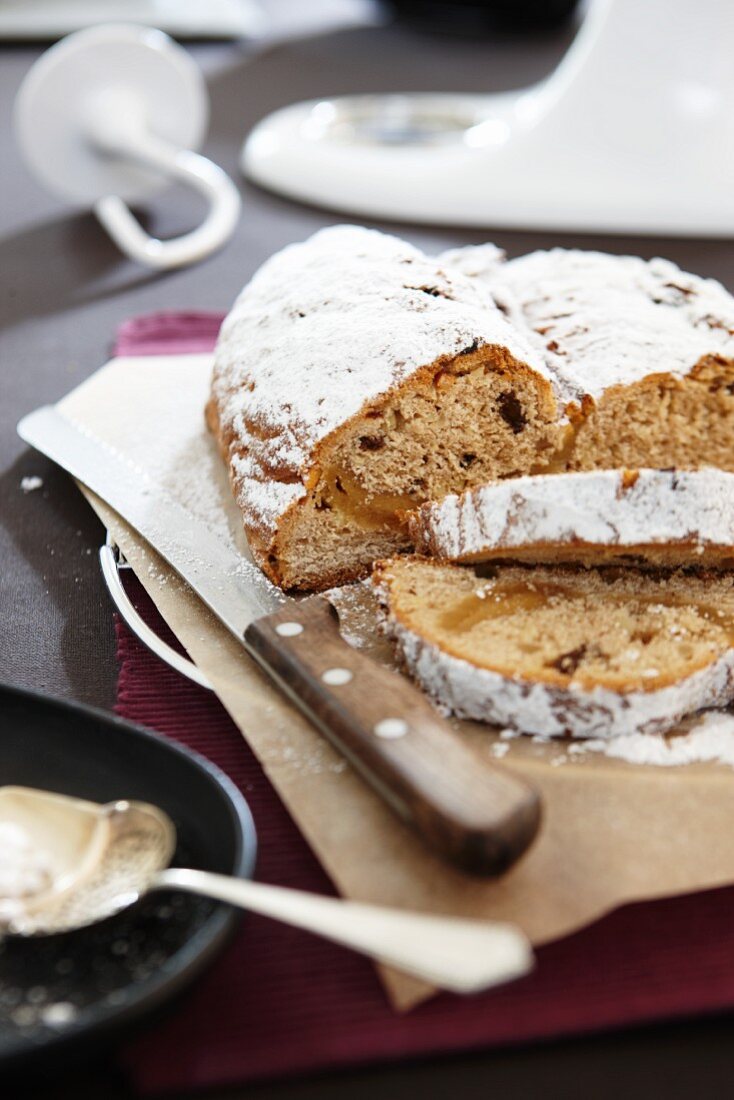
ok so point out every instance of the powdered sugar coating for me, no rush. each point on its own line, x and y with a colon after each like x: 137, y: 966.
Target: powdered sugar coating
x: 325, y: 328
x: 603, y: 320
x: 478, y: 261
x: 551, y: 710
x: 601, y: 507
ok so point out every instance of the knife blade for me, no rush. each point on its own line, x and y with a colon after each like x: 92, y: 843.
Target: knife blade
x: 230, y: 585
x: 476, y: 815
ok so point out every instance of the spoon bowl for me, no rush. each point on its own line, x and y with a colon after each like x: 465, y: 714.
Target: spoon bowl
x: 87, y: 861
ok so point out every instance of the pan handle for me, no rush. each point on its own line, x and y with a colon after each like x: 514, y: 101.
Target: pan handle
x: 111, y: 562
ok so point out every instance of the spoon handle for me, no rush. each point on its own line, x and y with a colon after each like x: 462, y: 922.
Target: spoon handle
x: 464, y: 956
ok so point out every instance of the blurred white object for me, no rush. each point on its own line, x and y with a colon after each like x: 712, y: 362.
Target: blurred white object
x: 109, y: 116
x: 632, y: 133
x: 47, y: 19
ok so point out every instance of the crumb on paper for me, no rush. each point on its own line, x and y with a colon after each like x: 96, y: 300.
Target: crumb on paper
x: 30, y: 484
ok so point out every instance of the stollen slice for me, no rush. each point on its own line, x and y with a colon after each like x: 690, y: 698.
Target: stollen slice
x: 562, y: 650
x: 660, y: 518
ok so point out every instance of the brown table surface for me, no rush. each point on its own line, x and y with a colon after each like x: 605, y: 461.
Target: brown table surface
x: 65, y: 288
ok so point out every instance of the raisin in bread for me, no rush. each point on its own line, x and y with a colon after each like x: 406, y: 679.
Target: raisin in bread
x: 562, y: 651
x: 659, y: 518
x: 354, y: 379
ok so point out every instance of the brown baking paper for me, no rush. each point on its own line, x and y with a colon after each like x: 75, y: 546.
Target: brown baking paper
x: 612, y: 832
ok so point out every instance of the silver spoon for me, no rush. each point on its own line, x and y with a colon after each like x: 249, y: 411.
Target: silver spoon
x: 85, y: 861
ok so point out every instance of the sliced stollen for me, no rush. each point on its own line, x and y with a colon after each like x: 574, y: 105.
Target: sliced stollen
x: 563, y: 651
x: 354, y: 379
x: 659, y: 518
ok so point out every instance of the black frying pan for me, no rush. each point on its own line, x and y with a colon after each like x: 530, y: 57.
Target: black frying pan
x: 61, y: 993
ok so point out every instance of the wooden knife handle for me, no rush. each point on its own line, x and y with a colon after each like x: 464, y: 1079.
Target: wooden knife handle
x: 475, y: 814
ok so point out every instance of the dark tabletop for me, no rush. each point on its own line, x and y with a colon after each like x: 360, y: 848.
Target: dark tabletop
x: 64, y: 288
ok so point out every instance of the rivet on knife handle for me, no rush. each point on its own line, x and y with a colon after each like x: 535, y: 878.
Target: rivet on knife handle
x: 475, y: 814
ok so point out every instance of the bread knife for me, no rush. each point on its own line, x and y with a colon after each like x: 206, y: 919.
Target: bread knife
x: 476, y: 815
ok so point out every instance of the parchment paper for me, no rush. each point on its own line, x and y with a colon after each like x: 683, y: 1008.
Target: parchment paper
x: 612, y: 832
